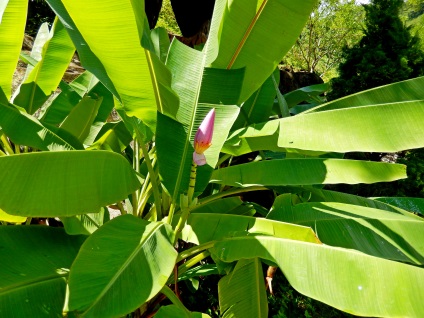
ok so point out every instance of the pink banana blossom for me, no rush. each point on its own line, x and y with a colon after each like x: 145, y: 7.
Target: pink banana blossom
x: 203, y: 138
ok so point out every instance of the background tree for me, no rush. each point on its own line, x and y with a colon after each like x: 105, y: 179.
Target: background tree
x: 387, y: 53
x: 413, y: 15
x: 331, y: 26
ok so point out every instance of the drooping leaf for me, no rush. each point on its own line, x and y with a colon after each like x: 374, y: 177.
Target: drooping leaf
x: 35, y: 265
x: 206, y: 227
x: 242, y: 292
x: 374, y: 128
x: 371, y: 128
x: 307, y: 171
x: 128, y: 257
x: 320, y: 195
x: 372, y: 231
x: 404, y: 91
x: 26, y: 130
x: 12, y: 27
x: 44, y: 78
x: 346, y: 279
x: 64, y: 183
x: 247, y: 26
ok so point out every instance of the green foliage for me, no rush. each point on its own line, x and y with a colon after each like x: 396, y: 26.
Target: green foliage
x: 332, y: 25
x: 167, y: 18
x: 60, y: 158
x: 387, y: 53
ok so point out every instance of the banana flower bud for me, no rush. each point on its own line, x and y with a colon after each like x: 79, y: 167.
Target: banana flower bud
x: 203, y: 138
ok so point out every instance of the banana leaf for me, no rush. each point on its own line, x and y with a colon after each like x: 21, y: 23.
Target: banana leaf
x: 13, y: 18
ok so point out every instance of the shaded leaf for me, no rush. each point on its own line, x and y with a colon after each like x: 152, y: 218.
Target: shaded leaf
x: 64, y: 183
x: 351, y: 281
x: 128, y: 257
x: 372, y: 231
x: 35, y: 265
x: 242, y: 292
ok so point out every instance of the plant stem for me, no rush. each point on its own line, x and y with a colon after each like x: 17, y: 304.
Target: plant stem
x: 171, y: 212
x: 28, y: 221
x: 173, y: 298
x: 121, y: 207
x: 6, y: 146
x: 230, y: 192
x: 153, y: 179
x: 185, y: 211
x: 194, y: 250
x: 144, y: 198
x: 193, y: 261
x: 136, y: 167
x: 192, y: 182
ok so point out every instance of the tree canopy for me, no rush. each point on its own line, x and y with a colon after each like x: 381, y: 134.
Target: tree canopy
x: 388, y: 52
x: 332, y: 25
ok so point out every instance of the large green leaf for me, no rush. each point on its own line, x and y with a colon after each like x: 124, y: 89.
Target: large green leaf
x: 376, y: 128
x: 12, y: 27
x: 64, y: 183
x: 256, y: 35
x: 372, y: 231
x: 408, y: 90
x: 200, y: 90
x: 120, y: 266
x: 133, y: 74
x: 319, y: 195
x: 308, y: 171
x: 44, y: 78
x: 26, y: 130
x: 349, y: 280
x: 35, y: 262
x: 242, y: 292
x: 371, y: 128
x: 205, y: 227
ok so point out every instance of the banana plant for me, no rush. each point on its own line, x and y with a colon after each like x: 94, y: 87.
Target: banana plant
x: 197, y: 131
